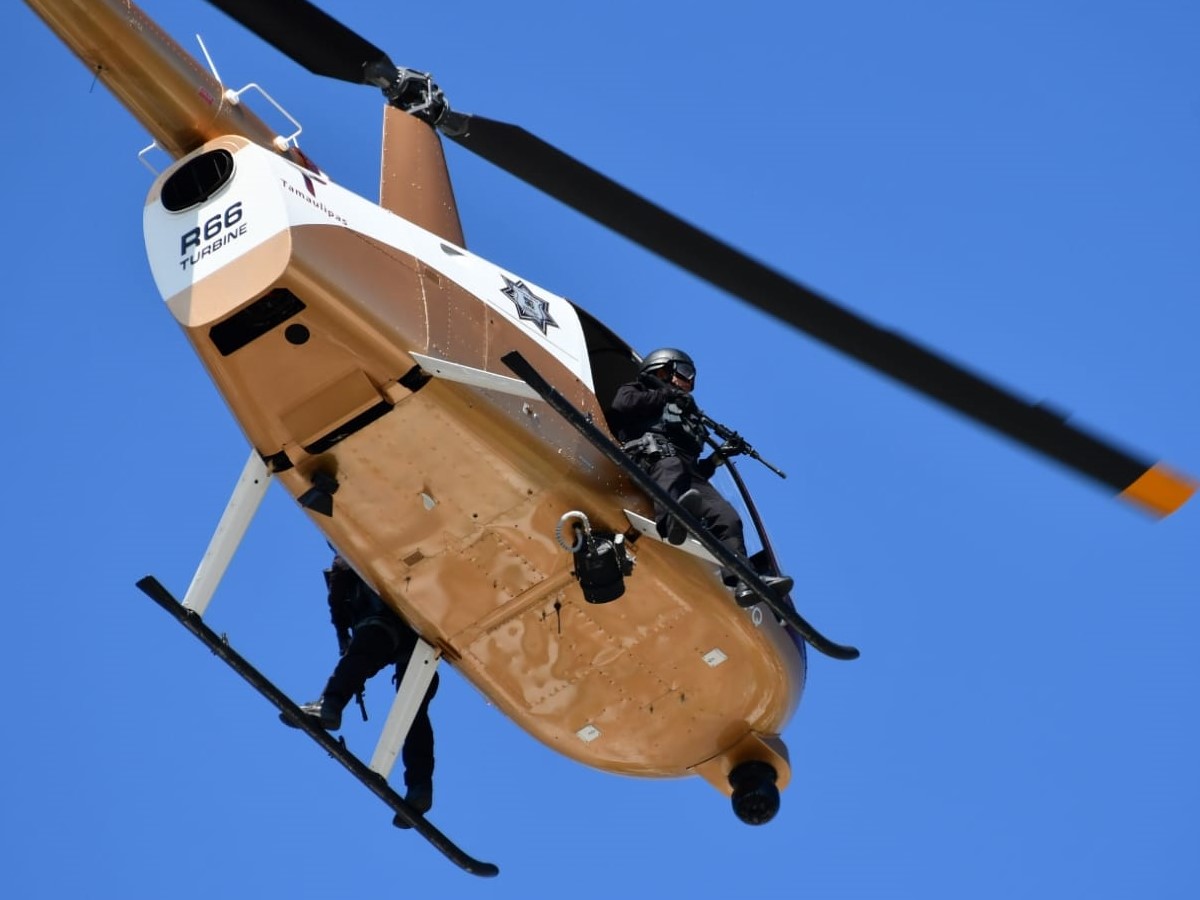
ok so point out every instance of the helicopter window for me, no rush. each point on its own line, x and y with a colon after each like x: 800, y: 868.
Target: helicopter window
x: 612, y: 361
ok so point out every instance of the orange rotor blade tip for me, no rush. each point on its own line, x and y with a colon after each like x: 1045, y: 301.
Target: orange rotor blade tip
x: 1160, y: 490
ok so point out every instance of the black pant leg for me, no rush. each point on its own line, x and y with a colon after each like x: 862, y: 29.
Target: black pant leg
x: 418, y: 746
x: 723, y: 523
x: 672, y: 475
x: 721, y: 517
x: 371, y: 648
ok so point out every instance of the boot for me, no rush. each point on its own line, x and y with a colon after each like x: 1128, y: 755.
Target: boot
x: 420, y: 798
x: 780, y: 586
x: 692, y: 502
x: 329, y: 717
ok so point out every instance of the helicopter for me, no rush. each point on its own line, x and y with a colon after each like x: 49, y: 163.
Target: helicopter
x: 323, y: 422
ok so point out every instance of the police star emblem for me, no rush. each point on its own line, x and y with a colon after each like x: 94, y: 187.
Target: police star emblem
x: 529, y: 305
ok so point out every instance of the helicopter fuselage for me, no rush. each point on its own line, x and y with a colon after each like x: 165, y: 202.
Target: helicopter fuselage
x: 321, y: 317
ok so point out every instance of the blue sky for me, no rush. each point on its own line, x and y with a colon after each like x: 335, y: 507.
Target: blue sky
x: 1011, y: 183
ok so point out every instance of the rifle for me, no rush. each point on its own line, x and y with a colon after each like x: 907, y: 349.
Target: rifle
x: 734, y: 443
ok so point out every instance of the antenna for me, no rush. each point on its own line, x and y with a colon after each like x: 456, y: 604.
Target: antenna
x: 235, y: 97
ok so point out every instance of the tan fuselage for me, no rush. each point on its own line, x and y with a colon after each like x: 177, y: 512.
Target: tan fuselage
x: 449, y: 493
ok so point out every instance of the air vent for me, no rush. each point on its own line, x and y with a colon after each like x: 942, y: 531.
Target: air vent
x: 197, y: 180
x: 255, y: 320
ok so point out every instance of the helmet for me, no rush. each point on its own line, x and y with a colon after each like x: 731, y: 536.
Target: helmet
x: 678, y: 361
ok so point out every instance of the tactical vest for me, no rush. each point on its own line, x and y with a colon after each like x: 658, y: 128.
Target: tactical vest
x: 685, y: 432
x: 354, y: 595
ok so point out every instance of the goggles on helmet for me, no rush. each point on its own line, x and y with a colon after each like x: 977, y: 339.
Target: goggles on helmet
x: 684, y: 370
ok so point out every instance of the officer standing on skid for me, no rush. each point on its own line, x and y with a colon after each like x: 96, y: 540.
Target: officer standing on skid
x: 657, y: 420
x: 370, y: 637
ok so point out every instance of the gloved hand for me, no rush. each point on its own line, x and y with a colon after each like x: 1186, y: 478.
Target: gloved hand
x: 735, y: 446
x: 685, y: 401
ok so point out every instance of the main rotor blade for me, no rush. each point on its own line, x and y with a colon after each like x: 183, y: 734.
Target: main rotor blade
x: 311, y: 37
x: 1154, y: 487
x: 323, y: 45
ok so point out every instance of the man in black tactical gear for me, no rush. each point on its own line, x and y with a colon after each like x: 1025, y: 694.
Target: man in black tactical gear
x: 370, y: 637
x: 657, y: 421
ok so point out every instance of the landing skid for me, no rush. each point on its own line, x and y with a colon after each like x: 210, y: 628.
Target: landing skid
x: 720, y: 552
x: 374, y: 782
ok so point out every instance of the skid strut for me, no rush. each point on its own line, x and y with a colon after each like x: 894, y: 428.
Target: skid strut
x: 521, y: 366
